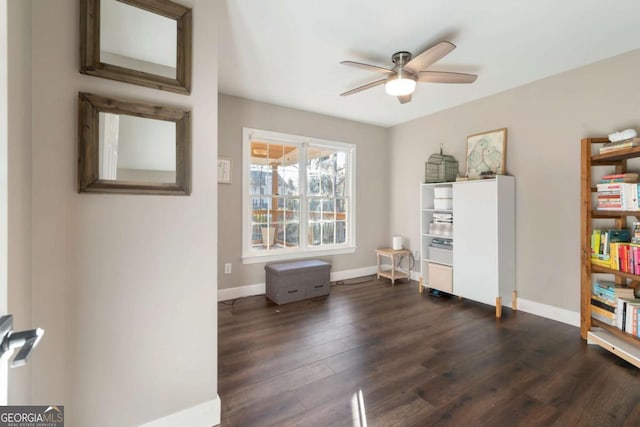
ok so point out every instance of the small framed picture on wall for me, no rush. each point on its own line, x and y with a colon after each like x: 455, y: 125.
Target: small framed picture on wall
x: 224, y: 170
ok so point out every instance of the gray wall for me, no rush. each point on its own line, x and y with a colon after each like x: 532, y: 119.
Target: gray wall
x: 372, y: 181
x: 124, y: 285
x: 19, y: 185
x: 545, y: 120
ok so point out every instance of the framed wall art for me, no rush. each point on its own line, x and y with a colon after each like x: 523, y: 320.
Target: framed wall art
x: 486, y: 154
x: 224, y: 170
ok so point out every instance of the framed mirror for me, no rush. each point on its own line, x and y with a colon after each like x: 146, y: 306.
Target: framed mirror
x: 132, y: 147
x: 143, y: 42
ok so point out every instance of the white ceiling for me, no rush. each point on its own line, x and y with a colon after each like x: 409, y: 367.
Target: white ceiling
x: 287, y: 52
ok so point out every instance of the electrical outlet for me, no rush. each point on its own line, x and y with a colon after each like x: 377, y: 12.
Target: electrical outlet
x: 227, y: 268
x: 416, y: 255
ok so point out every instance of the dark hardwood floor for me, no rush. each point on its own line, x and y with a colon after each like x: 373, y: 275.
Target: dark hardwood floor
x: 399, y: 358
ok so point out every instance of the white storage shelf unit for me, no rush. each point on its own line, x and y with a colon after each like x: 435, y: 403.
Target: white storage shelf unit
x: 434, y: 202
x: 482, y: 266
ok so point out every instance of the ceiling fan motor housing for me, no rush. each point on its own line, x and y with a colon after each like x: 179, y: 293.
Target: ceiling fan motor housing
x: 401, y: 58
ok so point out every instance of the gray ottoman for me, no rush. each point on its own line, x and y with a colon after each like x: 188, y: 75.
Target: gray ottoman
x: 294, y: 281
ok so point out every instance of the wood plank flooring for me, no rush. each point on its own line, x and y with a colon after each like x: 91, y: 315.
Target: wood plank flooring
x: 371, y: 354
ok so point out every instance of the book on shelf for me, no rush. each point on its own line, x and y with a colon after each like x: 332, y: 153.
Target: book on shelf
x: 601, y: 262
x: 603, y: 319
x: 604, y: 299
x: 602, y: 305
x: 625, y: 314
x: 606, y: 249
x: 617, y: 288
x: 609, y: 186
x: 620, y: 145
x: 604, y: 313
x: 607, y: 292
x: 626, y: 175
x: 617, y: 180
x: 617, y: 196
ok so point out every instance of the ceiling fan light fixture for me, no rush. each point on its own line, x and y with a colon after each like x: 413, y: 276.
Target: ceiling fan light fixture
x: 400, y: 84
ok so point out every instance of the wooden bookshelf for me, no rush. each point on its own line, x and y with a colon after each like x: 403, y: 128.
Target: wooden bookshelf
x: 622, y: 344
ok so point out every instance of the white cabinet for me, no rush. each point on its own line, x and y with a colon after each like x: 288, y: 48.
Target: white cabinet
x: 483, y: 267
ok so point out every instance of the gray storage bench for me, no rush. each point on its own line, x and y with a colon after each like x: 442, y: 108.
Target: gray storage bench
x: 297, y: 280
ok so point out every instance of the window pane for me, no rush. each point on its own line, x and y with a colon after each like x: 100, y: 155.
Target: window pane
x: 341, y: 232
x: 288, y: 209
x: 313, y: 184
x: 291, y: 236
x: 341, y: 173
x: 326, y: 184
x: 321, y: 170
x: 260, y: 179
x: 315, y: 210
x: 274, y: 169
x: 314, y: 234
x: 326, y: 171
x: 341, y: 209
x: 256, y: 236
x: 289, y: 172
x: 260, y: 209
x: 327, y: 233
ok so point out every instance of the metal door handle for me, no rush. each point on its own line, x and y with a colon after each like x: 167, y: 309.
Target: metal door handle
x: 26, y: 341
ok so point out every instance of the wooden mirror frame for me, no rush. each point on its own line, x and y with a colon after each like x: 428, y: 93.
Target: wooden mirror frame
x: 90, y: 46
x: 89, y: 107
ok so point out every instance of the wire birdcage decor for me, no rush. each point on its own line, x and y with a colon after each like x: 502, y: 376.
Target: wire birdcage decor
x: 440, y: 168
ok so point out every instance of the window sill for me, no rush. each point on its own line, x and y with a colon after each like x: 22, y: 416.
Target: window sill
x: 309, y: 253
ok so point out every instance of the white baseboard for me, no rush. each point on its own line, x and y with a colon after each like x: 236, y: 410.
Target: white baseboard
x: 205, y: 414
x: 259, y: 288
x: 352, y: 274
x: 550, y: 312
x: 241, y: 291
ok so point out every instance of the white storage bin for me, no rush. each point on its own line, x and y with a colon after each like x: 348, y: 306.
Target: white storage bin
x: 443, y: 192
x: 441, y: 255
x: 445, y: 230
x: 440, y: 277
x: 443, y: 204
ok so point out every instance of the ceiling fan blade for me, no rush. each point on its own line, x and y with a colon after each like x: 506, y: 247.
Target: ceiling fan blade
x: 364, y: 87
x: 445, y: 77
x: 430, y: 56
x: 404, y: 99
x: 368, y: 67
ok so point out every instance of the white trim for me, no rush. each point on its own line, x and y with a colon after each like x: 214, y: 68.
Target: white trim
x: 241, y: 291
x: 259, y: 288
x: 205, y: 414
x: 550, y: 312
x: 352, y: 274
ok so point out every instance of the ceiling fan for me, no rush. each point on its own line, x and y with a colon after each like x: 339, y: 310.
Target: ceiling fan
x: 401, y: 80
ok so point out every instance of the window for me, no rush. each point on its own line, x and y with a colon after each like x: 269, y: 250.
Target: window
x: 298, y: 196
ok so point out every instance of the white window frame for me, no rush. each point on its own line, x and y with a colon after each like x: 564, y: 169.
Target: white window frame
x: 251, y: 255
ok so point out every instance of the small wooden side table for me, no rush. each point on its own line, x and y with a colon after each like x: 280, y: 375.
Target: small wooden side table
x: 393, y: 274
